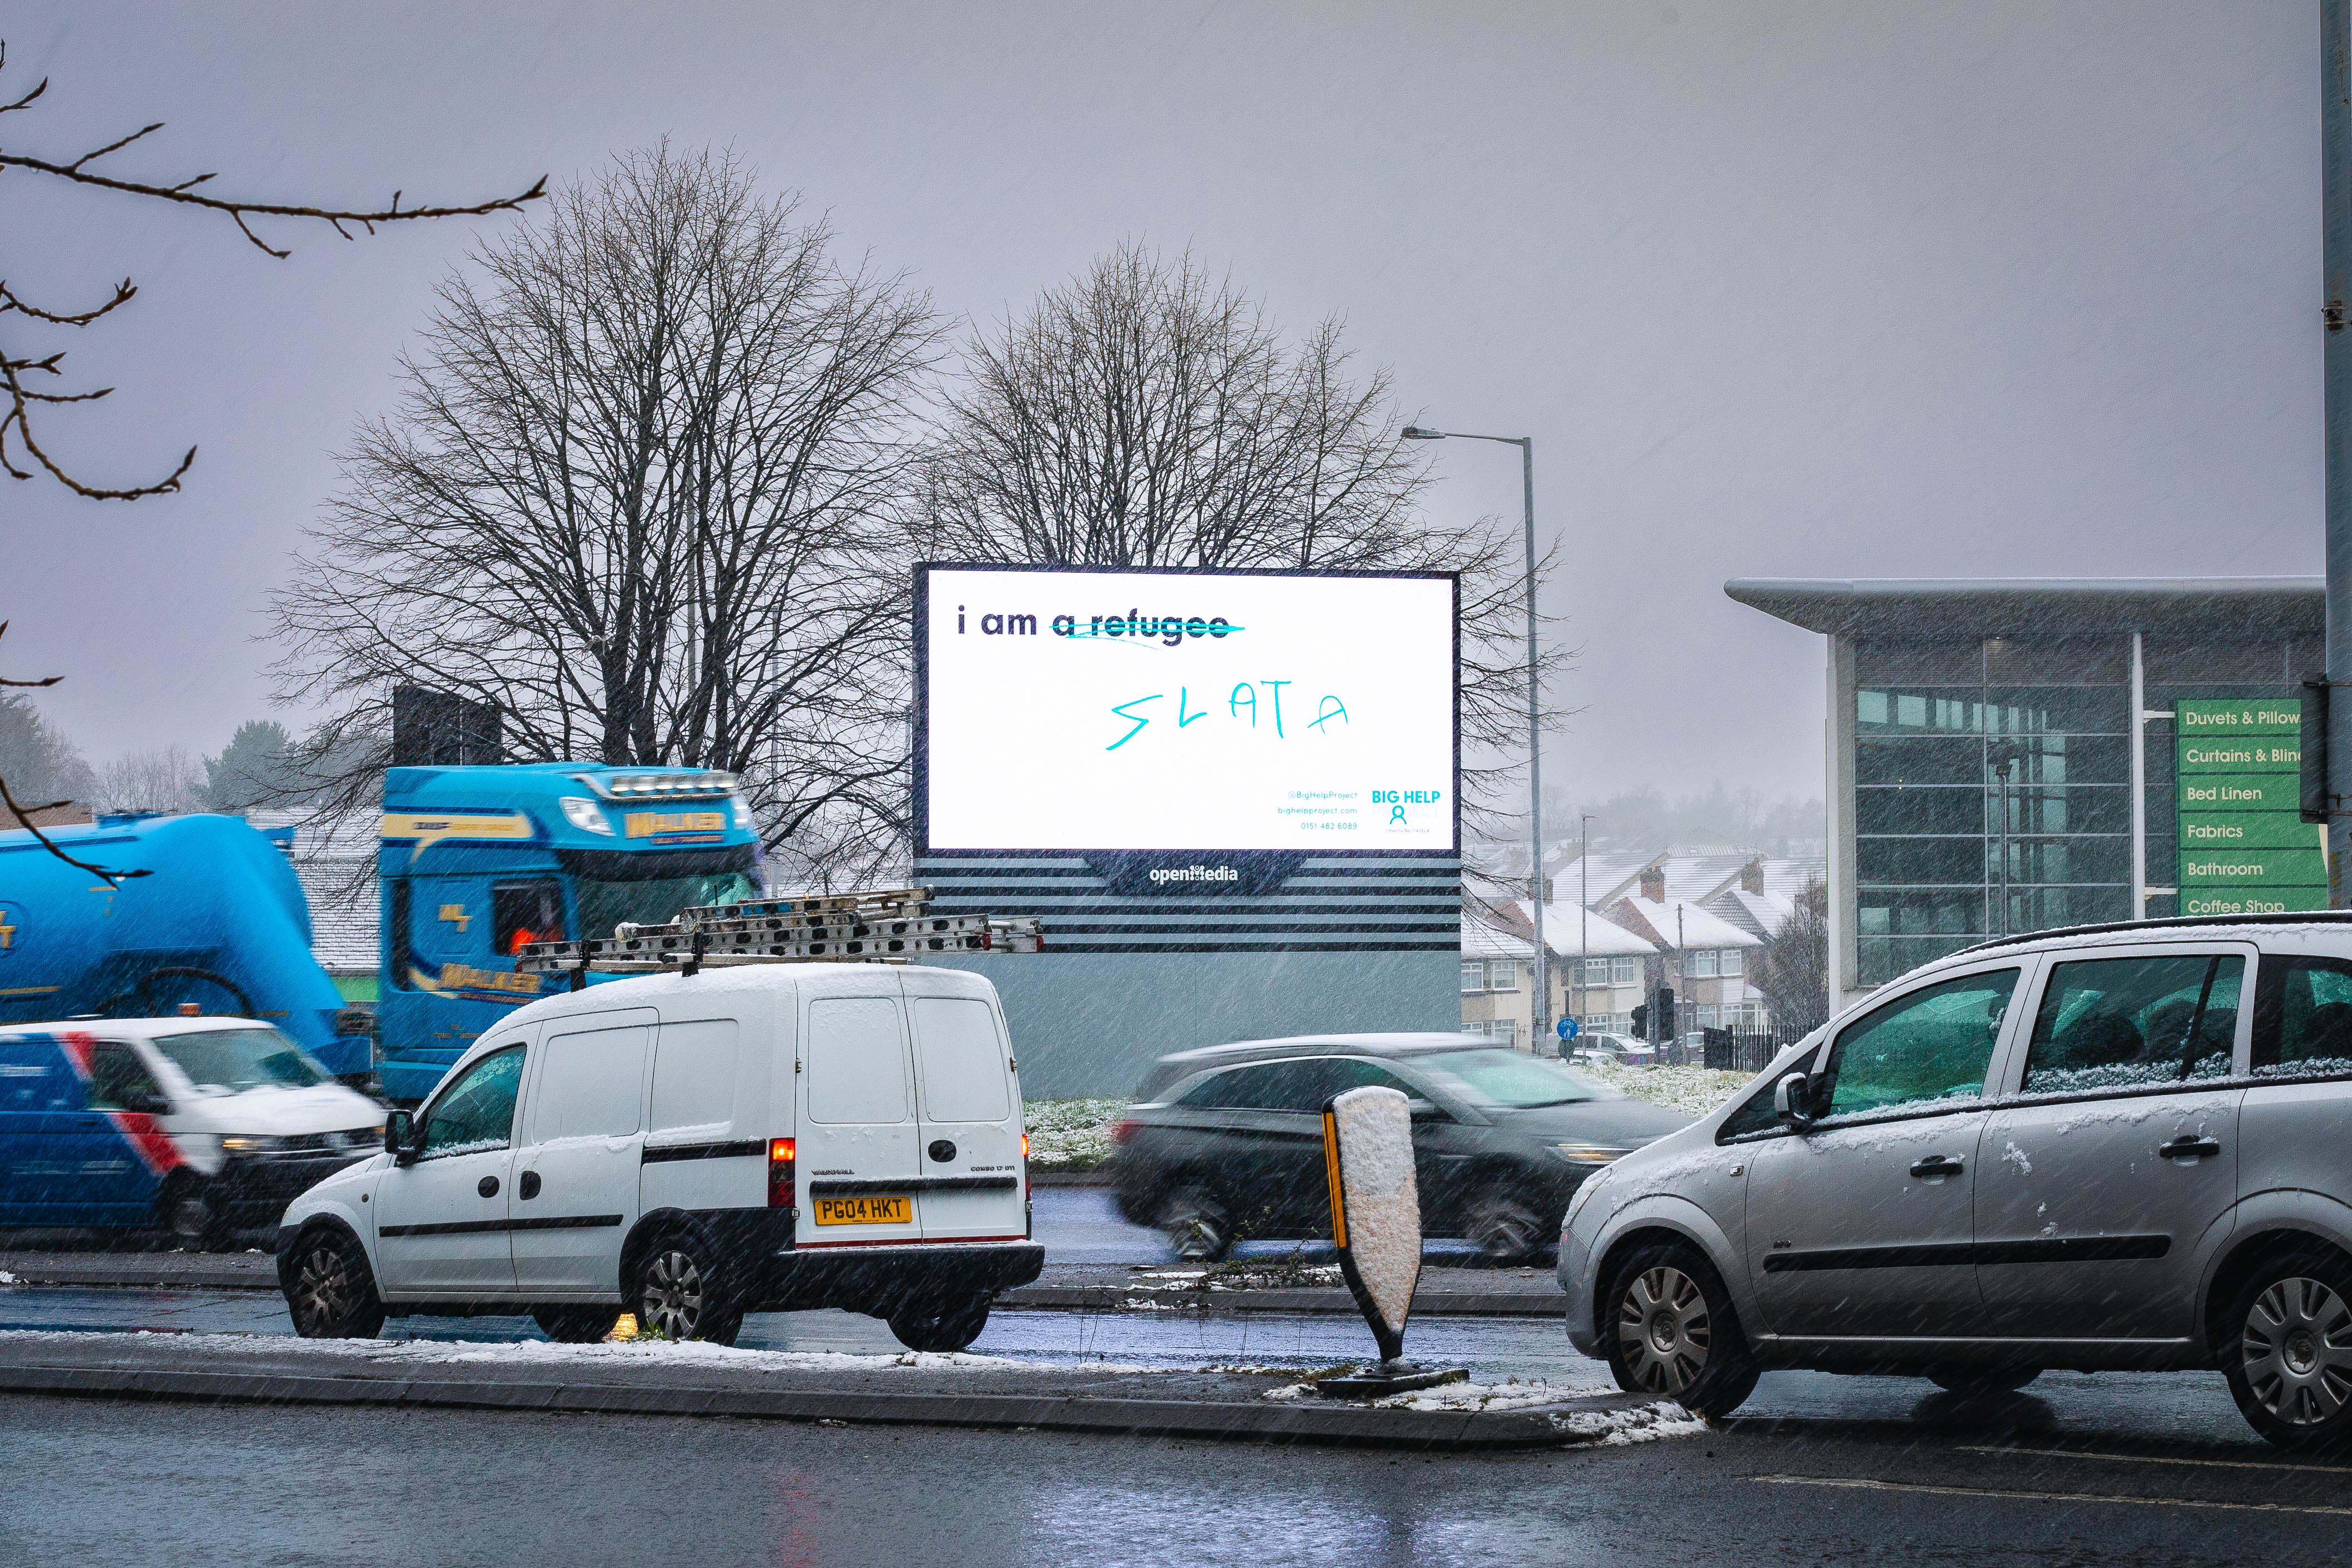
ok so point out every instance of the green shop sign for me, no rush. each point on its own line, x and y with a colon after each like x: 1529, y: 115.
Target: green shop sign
x: 2244, y: 848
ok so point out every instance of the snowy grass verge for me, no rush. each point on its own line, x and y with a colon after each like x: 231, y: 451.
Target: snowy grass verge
x: 1693, y: 1091
x: 1070, y: 1134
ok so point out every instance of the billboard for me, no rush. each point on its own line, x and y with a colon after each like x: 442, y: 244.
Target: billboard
x: 1113, y: 710
x: 2244, y: 846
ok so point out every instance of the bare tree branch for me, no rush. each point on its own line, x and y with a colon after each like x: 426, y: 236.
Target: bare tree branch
x: 17, y: 419
x: 24, y: 814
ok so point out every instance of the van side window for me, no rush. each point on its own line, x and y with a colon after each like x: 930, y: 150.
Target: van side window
x: 960, y: 1057
x: 119, y: 1080
x: 2122, y: 1023
x: 1932, y: 1045
x: 522, y: 912
x: 591, y: 1084
x: 856, y: 1061
x: 477, y: 1113
x: 2302, y: 1018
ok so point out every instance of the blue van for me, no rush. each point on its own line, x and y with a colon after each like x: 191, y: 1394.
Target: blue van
x: 200, y: 1126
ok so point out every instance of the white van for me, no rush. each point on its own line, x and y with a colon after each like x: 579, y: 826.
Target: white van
x: 690, y: 1149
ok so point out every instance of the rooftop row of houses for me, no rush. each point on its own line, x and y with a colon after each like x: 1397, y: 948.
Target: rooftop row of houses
x: 1686, y: 922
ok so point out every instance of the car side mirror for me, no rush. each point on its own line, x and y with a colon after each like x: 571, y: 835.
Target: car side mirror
x: 1426, y: 1110
x: 400, y: 1136
x: 1792, y: 1100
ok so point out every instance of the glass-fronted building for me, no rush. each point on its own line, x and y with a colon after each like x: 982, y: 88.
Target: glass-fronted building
x: 2005, y: 756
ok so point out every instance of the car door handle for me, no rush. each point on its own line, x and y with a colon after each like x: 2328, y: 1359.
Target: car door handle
x: 2190, y: 1146
x: 1935, y: 1166
x: 487, y: 1186
x: 530, y: 1184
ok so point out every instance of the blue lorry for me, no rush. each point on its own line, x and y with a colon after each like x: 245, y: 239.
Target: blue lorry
x: 473, y: 861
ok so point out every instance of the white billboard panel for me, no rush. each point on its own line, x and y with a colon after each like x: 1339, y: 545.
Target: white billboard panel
x: 1147, y: 710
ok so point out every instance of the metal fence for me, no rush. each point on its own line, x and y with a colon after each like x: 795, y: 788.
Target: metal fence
x: 1739, y: 1050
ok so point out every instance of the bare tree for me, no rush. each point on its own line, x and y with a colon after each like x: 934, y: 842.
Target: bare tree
x: 19, y: 371
x: 166, y: 781
x: 640, y: 494
x: 1144, y: 414
x: 1792, y: 969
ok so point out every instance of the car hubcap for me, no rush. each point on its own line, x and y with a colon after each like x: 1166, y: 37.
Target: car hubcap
x: 322, y: 1288
x: 190, y: 1217
x: 672, y: 1296
x: 1662, y: 1327
x: 1504, y: 1234
x: 2297, y: 1352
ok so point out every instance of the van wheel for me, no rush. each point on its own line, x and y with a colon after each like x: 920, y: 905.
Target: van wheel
x: 681, y: 1295
x: 576, y: 1325
x: 1670, y: 1330
x: 1504, y: 1230
x: 1196, y: 1225
x: 1976, y: 1381
x: 189, y: 1215
x: 330, y: 1291
x: 2291, y: 1368
x: 940, y: 1327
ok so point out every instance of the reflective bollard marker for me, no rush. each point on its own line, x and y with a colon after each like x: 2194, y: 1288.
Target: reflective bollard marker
x: 1376, y: 1226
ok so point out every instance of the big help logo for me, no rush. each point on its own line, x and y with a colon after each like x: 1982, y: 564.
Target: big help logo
x: 1404, y: 807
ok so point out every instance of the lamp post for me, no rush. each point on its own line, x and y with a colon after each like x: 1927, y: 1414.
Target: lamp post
x: 1527, y: 446
x: 1584, y: 907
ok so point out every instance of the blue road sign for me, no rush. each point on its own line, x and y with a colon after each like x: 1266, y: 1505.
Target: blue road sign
x: 1567, y: 1029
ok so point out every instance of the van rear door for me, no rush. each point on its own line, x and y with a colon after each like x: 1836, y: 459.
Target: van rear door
x: 969, y: 1117
x: 575, y: 1168
x: 858, y: 1153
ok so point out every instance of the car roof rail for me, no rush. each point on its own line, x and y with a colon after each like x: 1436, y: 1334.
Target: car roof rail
x: 2300, y: 917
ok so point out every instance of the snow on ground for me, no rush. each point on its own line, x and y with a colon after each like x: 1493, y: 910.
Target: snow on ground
x: 1639, y: 1424
x: 6, y: 1278
x: 1693, y: 1091
x: 1070, y: 1134
x: 1621, y: 1428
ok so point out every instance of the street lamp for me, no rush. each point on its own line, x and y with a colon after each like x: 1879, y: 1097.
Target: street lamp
x: 1527, y: 446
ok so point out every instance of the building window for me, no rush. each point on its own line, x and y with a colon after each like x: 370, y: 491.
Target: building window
x: 1505, y: 1032
x: 1474, y: 976
x: 1624, y: 971
x: 1731, y: 964
x: 1702, y: 964
x: 1596, y: 971
x: 1502, y: 975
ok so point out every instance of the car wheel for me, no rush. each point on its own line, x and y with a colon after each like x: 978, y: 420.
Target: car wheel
x: 330, y: 1288
x: 1671, y: 1330
x: 1196, y: 1225
x: 1976, y: 1381
x: 2289, y: 1368
x: 1504, y: 1230
x: 576, y: 1325
x: 940, y: 1326
x: 189, y: 1215
x: 680, y: 1294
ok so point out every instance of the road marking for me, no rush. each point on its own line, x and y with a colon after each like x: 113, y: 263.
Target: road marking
x: 2046, y: 1495
x: 2152, y: 1459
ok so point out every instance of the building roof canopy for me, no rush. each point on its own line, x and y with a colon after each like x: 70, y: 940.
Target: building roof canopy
x: 1922, y: 608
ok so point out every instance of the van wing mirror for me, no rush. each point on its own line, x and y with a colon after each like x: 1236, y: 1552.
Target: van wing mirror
x: 1792, y: 1100
x: 400, y: 1135
x: 146, y: 1101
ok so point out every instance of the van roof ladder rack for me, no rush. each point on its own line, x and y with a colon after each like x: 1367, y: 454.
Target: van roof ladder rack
x: 891, y: 925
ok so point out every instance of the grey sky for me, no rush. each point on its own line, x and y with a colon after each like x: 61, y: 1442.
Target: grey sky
x: 1863, y: 290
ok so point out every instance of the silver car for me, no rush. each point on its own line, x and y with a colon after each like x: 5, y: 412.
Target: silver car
x: 2117, y: 1147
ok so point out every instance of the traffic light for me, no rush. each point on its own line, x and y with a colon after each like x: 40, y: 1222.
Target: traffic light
x: 1641, y: 1020
x: 1666, y: 1009
x: 2315, y: 801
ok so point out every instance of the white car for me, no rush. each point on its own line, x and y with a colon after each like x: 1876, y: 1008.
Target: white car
x: 690, y: 1149
x: 201, y: 1125
x: 2115, y: 1147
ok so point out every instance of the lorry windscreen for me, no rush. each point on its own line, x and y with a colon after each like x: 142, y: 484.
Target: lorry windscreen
x: 232, y: 1060
x: 648, y: 889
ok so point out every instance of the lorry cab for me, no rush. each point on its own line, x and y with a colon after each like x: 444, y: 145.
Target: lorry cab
x: 477, y: 861
x: 201, y: 1125
x: 690, y: 1149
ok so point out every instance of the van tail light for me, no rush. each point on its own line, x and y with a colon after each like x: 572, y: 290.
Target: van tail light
x: 1122, y: 1131
x: 784, y: 1165
x: 1025, y: 1145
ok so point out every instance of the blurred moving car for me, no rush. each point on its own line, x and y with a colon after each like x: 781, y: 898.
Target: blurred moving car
x: 2109, y: 1148
x: 1227, y: 1141
x: 1615, y: 1050
x: 200, y: 1125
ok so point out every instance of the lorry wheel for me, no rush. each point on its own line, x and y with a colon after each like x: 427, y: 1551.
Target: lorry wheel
x: 576, y: 1325
x: 679, y: 1293
x: 331, y: 1290
x: 940, y: 1326
x: 194, y: 1220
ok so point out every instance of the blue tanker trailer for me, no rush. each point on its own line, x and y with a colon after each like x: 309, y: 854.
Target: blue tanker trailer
x: 218, y: 928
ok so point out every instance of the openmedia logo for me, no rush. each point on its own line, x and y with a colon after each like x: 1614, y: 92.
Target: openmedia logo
x: 1196, y: 874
